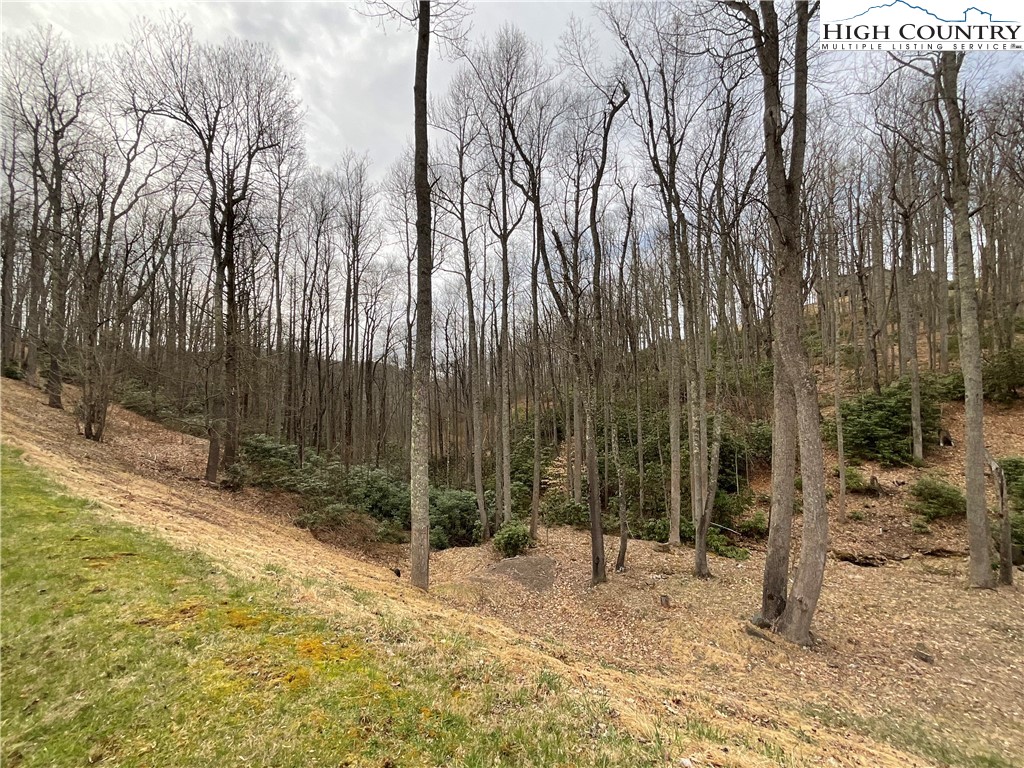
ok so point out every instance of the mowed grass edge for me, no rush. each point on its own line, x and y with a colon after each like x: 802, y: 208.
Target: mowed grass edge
x: 121, y: 650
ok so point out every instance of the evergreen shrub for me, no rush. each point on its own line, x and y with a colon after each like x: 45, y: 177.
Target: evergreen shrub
x: 936, y: 499
x: 755, y: 527
x: 1003, y: 375
x: 454, y: 520
x: 563, y: 510
x: 876, y: 427
x: 512, y: 538
x: 1013, y: 469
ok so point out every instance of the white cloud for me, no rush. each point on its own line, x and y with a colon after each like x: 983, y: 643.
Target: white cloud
x: 353, y: 73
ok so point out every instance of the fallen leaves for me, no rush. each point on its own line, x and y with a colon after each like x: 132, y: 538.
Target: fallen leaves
x: 870, y: 620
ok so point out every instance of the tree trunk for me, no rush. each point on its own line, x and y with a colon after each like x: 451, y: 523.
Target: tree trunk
x: 215, y: 419
x: 908, y: 329
x: 1005, y: 533
x: 232, y: 345
x: 598, y: 570
x: 7, y: 243
x: 775, y: 587
x: 620, y: 559
x: 674, y: 396
x: 957, y: 200
x: 785, y: 185
x: 535, y: 384
x: 419, y: 453
x: 57, y: 331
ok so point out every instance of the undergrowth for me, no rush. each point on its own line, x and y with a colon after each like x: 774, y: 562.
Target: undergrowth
x: 877, y: 427
x: 512, y: 539
x: 936, y: 499
x: 1013, y: 470
x: 333, y: 493
x: 119, y: 649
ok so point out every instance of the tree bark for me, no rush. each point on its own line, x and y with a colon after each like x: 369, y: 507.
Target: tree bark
x: 957, y: 201
x: 419, y: 461
x: 785, y: 187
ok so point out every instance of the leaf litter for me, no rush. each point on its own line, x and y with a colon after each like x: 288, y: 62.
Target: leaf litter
x: 693, y: 666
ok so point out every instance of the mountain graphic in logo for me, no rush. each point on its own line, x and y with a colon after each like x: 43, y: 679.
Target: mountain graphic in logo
x: 971, y: 15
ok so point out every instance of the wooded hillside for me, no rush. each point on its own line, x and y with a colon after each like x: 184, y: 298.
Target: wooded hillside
x: 661, y: 269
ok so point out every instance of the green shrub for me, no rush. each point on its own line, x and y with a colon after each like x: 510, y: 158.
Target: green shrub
x: 935, y: 499
x: 522, y: 497
x: 720, y: 545
x: 1002, y: 378
x: 730, y: 507
x: 1017, y: 528
x: 855, y: 482
x: 877, y: 427
x: 759, y: 442
x: 1013, y: 469
x: 324, y: 517
x: 236, y: 477
x: 1003, y: 375
x: 438, y: 538
x: 655, y: 529
x: 920, y: 525
x: 149, y: 403
x: 271, y: 464
x: 328, y: 489
x: 654, y: 485
x: 377, y: 493
x: 743, y: 445
x: 454, y: 520
x: 756, y: 527
x: 390, y: 532
x: 946, y: 386
x: 512, y: 538
x: 850, y: 356
x: 562, y: 510
x: 521, y: 461
x: 317, y: 481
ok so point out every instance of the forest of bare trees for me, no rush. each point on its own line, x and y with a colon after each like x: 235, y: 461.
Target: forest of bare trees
x: 660, y: 263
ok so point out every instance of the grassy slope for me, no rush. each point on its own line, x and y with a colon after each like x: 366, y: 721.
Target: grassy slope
x: 118, y: 648
x: 269, y: 715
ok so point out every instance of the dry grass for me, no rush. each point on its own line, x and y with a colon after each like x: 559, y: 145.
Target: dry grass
x: 859, y: 698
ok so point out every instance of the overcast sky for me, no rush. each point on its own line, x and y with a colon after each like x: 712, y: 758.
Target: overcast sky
x: 353, y: 73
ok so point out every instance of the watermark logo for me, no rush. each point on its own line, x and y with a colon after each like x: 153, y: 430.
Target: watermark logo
x: 921, y: 25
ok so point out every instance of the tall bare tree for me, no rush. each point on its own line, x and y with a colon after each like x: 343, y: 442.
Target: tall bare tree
x: 233, y: 103
x: 419, y: 461
x: 957, y: 191
x: 785, y: 172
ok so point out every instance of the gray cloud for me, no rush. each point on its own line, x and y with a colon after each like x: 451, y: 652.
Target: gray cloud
x: 352, y: 72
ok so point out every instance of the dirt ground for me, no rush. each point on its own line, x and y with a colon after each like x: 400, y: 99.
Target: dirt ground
x: 658, y: 666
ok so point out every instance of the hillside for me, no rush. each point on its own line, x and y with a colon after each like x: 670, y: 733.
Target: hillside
x: 911, y: 668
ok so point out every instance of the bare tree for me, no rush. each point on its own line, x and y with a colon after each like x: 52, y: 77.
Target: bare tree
x: 234, y: 103
x: 955, y: 168
x: 785, y: 171
x: 120, y: 175
x: 419, y: 461
x: 663, y: 111
x: 52, y: 84
x: 457, y: 117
